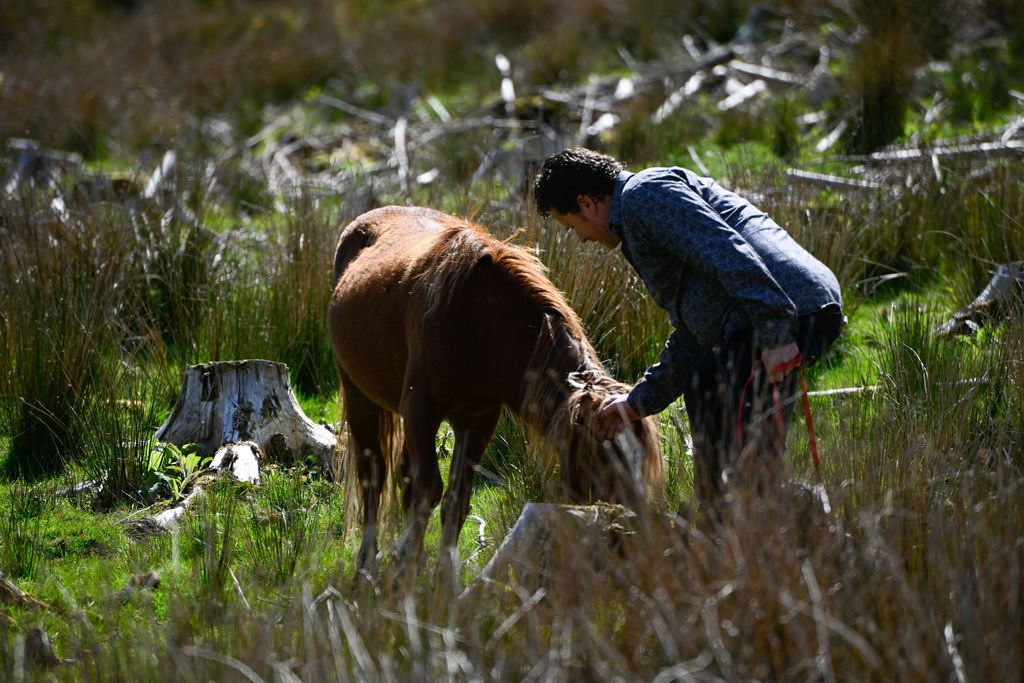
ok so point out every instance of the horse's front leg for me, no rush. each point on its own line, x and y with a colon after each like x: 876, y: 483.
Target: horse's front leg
x: 422, y: 479
x: 471, y: 438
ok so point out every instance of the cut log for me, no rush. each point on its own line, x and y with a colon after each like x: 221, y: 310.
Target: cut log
x: 11, y: 595
x: 169, y: 518
x: 1004, y: 289
x: 249, y: 400
x: 549, y: 539
x: 241, y: 459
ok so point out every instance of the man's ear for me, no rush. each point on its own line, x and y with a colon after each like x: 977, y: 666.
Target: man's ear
x: 585, y: 202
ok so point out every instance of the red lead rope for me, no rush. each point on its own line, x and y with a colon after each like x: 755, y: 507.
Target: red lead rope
x: 812, y: 439
x: 777, y: 405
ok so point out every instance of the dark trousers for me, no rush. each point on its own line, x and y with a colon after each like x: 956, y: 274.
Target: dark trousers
x: 734, y: 418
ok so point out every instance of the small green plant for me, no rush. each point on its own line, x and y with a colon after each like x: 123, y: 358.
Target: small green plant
x: 174, y: 469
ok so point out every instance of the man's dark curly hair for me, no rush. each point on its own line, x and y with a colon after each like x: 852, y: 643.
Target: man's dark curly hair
x: 570, y: 173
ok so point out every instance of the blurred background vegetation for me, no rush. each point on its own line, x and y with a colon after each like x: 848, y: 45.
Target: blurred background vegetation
x: 104, y: 77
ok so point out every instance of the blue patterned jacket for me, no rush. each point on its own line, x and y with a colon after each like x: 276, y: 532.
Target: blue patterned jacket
x: 717, y: 264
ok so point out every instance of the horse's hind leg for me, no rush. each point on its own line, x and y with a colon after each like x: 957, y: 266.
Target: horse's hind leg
x: 368, y: 424
x: 470, y: 441
x: 422, y: 485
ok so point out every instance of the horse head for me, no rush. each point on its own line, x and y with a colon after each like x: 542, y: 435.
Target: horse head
x: 620, y: 470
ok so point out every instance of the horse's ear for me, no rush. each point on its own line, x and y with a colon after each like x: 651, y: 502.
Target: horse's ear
x: 554, y: 325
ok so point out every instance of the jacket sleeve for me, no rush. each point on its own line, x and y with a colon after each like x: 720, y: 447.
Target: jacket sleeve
x: 664, y: 381
x: 686, y: 226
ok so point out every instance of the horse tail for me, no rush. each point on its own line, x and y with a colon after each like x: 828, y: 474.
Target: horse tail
x: 389, y: 445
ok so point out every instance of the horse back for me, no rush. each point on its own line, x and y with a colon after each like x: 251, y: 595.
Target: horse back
x: 423, y: 295
x: 392, y: 230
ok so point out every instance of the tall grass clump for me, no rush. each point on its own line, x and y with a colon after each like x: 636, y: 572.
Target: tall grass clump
x: 913, y: 428
x: 117, y: 429
x: 177, y: 259
x: 301, y: 283
x: 930, y: 480
x: 61, y: 288
x: 282, y: 528
x: 211, y: 541
x: 98, y: 297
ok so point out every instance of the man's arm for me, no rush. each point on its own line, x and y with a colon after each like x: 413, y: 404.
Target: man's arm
x: 661, y: 384
x: 664, y: 381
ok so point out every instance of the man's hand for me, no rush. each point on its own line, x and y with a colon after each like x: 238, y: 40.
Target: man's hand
x: 781, y: 360
x: 613, y: 415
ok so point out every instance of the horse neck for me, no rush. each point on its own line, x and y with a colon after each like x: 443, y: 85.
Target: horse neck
x: 562, y: 363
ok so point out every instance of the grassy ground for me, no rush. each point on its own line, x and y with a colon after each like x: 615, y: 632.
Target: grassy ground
x: 914, y: 575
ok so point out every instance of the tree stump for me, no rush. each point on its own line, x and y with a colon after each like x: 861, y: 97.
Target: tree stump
x: 246, y: 401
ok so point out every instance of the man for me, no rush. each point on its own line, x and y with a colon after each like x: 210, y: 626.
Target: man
x: 749, y: 306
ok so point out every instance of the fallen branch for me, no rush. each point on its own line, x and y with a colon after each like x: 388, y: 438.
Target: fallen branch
x: 765, y: 72
x: 745, y: 93
x: 800, y: 177
x: 845, y: 391
x: 968, y: 151
x: 11, y: 595
x: 352, y: 110
x: 1004, y: 289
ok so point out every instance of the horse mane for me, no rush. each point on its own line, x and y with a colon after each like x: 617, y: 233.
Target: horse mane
x: 462, y: 246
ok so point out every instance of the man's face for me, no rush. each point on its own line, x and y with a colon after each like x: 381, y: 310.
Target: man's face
x: 590, y: 223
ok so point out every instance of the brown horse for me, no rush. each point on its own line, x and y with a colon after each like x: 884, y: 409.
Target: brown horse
x: 433, y: 318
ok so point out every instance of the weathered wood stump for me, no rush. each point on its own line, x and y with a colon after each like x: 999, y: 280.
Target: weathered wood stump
x: 225, y: 403
x: 551, y: 539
